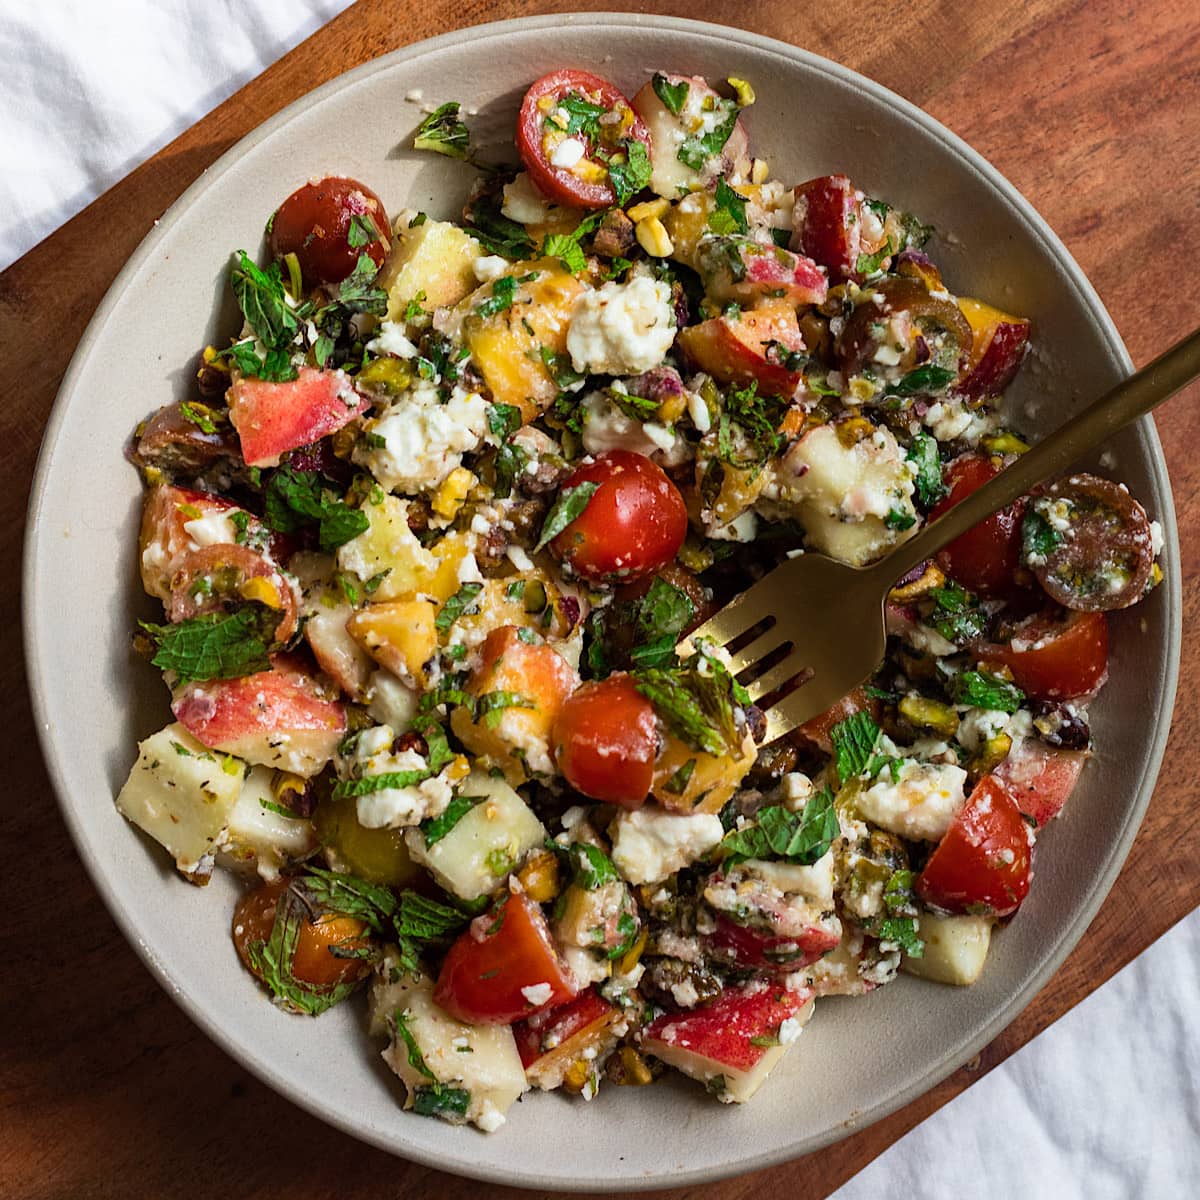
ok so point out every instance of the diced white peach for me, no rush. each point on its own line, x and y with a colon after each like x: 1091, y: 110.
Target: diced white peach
x: 272, y: 418
x: 181, y: 794
x: 259, y: 837
x: 276, y: 718
x: 732, y: 1045
x: 515, y: 737
x: 750, y: 347
x: 956, y: 948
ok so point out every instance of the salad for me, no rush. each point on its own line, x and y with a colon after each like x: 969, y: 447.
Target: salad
x: 431, y: 535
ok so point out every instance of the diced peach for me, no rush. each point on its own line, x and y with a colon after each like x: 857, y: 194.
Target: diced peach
x: 276, y: 718
x: 399, y: 635
x: 728, y: 1045
x: 272, y: 418
x: 748, y: 347
x: 552, y: 1041
x: 507, y: 346
x: 515, y: 737
x: 998, y: 347
x: 1040, y: 778
x: 711, y: 779
x: 745, y: 271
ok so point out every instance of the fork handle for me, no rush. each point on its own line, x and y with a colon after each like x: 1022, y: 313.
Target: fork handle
x: 1130, y: 399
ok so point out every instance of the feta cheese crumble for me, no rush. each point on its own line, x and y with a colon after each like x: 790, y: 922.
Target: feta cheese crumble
x: 622, y: 328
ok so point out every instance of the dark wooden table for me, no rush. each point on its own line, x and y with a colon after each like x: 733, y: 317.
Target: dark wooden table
x: 1090, y: 107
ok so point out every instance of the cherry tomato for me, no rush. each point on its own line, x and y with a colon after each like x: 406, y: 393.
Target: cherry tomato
x: 1104, y: 560
x: 574, y: 106
x: 605, y: 742
x: 560, y: 1030
x: 1040, y: 779
x: 1054, y: 655
x: 633, y: 524
x: 984, y: 863
x: 503, y: 954
x: 328, y: 224
x: 986, y: 558
x: 214, y: 577
x: 313, y: 963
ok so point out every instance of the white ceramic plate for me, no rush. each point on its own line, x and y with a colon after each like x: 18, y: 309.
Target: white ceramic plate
x: 858, y: 1059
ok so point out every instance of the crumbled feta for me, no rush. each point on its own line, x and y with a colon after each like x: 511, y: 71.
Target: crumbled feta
x: 1156, y: 538
x: 212, y: 529
x: 391, y: 339
x: 919, y: 805
x: 490, y: 267
x: 537, y: 994
x: 606, y: 427
x: 650, y: 844
x: 567, y: 153
x: 622, y: 328
x: 523, y: 202
x: 980, y: 725
x: 698, y: 411
x: 393, y: 807
x: 424, y: 439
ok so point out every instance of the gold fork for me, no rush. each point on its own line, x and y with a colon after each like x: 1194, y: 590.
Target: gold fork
x: 827, y: 619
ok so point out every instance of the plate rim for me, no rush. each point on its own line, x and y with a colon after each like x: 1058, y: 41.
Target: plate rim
x: 37, y: 671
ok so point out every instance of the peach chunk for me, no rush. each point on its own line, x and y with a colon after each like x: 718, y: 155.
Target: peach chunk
x: 519, y: 686
x: 998, y: 347
x: 276, y: 718
x: 272, y: 418
x: 733, y: 1044
x: 751, y: 347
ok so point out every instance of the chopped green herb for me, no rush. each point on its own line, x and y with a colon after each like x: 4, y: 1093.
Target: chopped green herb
x: 496, y: 232
x: 630, y: 177
x: 461, y: 603
x: 899, y: 520
x: 956, y: 614
x: 729, y: 216
x: 361, y: 231
x: 567, y: 508
x: 214, y: 645
x: 296, y: 499
x: 980, y: 689
x: 779, y: 833
x: 504, y: 419
x: 854, y: 741
x: 436, y: 828
x: 592, y: 867
x: 1039, y: 539
x: 928, y: 479
x: 923, y: 380
x: 444, y: 132
x: 503, y: 291
x: 695, y: 152
x: 872, y: 264
x: 673, y: 95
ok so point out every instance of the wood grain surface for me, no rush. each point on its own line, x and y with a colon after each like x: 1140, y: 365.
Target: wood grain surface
x: 1090, y: 107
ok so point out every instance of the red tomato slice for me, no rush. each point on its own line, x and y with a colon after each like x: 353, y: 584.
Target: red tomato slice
x: 1040, y: 779
x: 983, y: 559
x: 504, y: 953
x: 328, y: 224
x: 634, y: 523
x: 587, y: 183
x: 984, y: 863
x: 1055, y: 655
x: 605, y: 742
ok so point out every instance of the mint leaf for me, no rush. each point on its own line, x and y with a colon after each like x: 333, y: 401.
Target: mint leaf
x: 928, y: 479
x: 871, y: 264
x: 729, y: 216
x: 441, y: 1100
x: 923, y: 380
x: 697, y: 705
x: 902, y: 931
x: 673, y: 95
x: 357, y: 293
x: 461, y: 603
x: 341, y: 892
x: 778, y: 833
x: 296, y: 499
x: 628, y: 178
x: 489, y: 708
x: 593, y: 868
x: 504, y: 419
x: 444, y: 132
x: 565, y: 246
x: 214, y: 645
x: 567, y: 508
x: 436, y: 828
x: 503, y: 291
x: 854, y: 741
x: 361, y: 231
x: 1039, y: 539
x: 982, y: 690
x: 496, y: 232
x: 956, y: 614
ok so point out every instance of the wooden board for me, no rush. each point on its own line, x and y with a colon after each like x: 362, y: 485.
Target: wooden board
x: 1092, y: 109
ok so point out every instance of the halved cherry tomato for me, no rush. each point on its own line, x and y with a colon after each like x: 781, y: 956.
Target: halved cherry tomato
x: 574, y: 109
x: 313, y: 963
x: 633, y: 524
x: 1104, y: 560
x: 985, y: 558
x: 984, y: 863
x: 550, y: 1030
x: 605, y: 741
x: 215, y: 577
x: 1054, y: 655
x: 328, y: 224
x: 503, y: 954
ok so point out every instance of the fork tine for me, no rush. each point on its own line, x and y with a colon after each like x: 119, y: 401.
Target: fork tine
x: 776, y: 677
x: 739, y: 616
x: 806, y: 702
x: 758, y: 649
